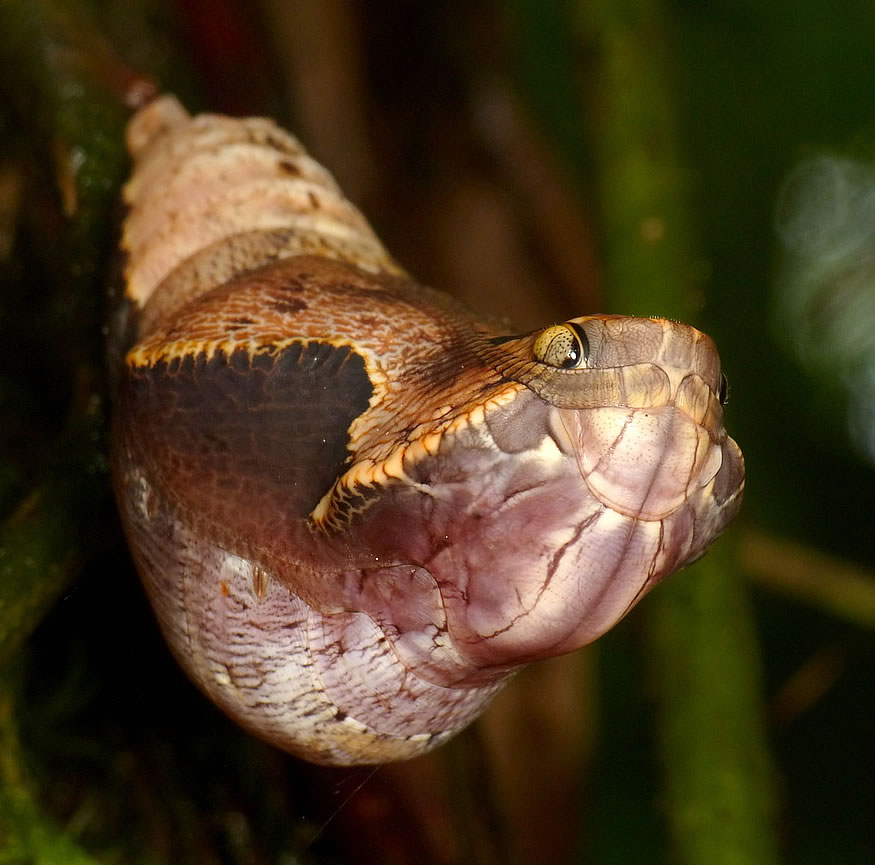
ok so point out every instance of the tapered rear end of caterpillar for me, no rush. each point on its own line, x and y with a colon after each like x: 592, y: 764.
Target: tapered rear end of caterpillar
x: 212, y: 197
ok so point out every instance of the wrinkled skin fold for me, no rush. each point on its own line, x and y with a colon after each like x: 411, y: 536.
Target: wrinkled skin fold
x: 357, y: 508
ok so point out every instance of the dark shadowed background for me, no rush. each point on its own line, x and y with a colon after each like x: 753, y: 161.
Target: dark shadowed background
x: 712, y: 161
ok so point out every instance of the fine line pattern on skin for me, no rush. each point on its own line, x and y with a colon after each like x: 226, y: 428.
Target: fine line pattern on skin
x: 356, y: 507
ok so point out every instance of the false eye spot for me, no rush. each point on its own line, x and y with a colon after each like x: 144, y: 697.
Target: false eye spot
x: 564, y: 346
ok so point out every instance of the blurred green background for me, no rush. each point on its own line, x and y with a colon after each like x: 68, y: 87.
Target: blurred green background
x: 713, y: 161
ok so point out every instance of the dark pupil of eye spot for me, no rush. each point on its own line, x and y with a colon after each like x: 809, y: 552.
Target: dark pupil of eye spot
x: 572, y: 355
x: 582, y: 346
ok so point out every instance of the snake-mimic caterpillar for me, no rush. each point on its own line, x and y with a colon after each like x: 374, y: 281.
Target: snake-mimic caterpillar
x: 356, y: 508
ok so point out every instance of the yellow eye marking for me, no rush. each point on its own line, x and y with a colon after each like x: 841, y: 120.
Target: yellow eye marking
x: 562, y: 345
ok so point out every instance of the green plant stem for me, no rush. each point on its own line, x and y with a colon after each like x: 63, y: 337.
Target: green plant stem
x: 809, y: 575
x: 704, y: 662
x: 718, y: 777
x: 25, y: 835
x: 65, y: 95
x: 44, y: 543
x: 648, y: 249
x: 66, y: 92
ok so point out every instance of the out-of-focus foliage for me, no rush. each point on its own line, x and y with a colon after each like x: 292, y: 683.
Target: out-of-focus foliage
x: 473, y: 135
x: 825, y: 303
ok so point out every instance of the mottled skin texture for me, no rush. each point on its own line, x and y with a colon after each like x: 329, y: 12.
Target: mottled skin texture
x: 357, y: 509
